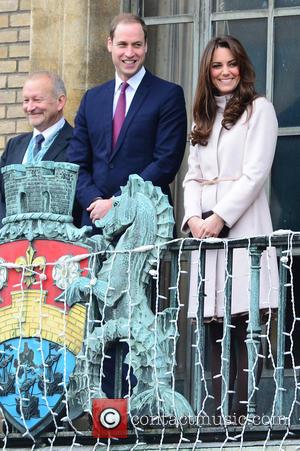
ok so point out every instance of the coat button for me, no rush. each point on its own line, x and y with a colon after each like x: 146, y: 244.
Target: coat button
x: 111, y: 166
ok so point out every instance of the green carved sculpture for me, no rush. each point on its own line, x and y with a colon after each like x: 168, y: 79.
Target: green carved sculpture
x: 115, y: 292
x: 39, y: 200
x: 134, y: 230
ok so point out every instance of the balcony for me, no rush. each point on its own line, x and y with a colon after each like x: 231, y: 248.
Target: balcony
x: 272, y: 409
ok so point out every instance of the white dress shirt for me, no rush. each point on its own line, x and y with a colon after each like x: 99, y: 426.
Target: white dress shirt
x: 133, y: 83
x: 48, y: 134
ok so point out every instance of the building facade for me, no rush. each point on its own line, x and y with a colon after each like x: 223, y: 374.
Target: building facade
x: 70, y: 37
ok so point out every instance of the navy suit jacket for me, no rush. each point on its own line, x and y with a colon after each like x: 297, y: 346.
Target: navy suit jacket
x: 151, y: 142
x: 15, y: 151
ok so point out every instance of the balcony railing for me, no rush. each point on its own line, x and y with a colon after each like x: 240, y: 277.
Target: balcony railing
x: 272, y: 407
x: 281, y: 384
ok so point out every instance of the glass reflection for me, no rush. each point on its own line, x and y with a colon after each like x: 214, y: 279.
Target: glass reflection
x: 285, y: 187
x: 285, y: 3
x: 238, y: 5
x: 287, y: 71
x: 170, y: 56
x: 167, y: 7
x: 253, y: 35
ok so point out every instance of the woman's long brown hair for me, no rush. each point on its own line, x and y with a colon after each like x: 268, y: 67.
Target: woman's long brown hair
x: 205, y: 107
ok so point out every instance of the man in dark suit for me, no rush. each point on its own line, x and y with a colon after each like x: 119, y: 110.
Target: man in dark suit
x: 151, y: 140
x: 44, y: 97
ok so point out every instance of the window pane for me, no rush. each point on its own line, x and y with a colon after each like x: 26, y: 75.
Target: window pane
x: 283, y: 3
x: 287, y: 71
x: 170, y: 56
x: 285, y: 186
x: 167, y: 7
x: 238, y: 5
x: 253, y: 35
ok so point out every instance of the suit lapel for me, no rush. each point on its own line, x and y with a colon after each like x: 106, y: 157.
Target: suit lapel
x: 136, y: 104
x: 107, y: 106
x: 22, y: 147
x: 60, y: 143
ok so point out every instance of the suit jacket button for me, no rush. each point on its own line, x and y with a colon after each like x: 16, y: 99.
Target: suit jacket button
x: 111, y: 166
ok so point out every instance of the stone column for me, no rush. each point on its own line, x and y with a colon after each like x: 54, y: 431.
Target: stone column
x: 69, y: 37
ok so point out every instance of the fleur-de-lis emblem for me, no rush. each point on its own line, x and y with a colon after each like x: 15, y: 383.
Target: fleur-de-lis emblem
x: 29, y: 265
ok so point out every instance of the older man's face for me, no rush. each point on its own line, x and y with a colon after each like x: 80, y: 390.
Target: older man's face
x: 40, y: 104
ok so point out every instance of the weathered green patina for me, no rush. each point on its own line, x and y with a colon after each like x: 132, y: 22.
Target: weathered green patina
x: 39, y: 200
x: 134, y: 230
x: 116, y: 290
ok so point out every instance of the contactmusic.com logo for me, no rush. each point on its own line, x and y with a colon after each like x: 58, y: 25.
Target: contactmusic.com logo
x: 110, y: 419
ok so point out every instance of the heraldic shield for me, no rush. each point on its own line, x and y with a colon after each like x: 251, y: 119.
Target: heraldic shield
x: 40, y: 336
x: 41, y: 254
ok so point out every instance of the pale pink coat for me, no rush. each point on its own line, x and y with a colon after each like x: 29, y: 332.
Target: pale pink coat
x: 244, y: 153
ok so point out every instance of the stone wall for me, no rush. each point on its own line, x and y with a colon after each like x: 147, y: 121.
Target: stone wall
x: 64, y: 36
x: 69, y: 37
x: 15, y: 16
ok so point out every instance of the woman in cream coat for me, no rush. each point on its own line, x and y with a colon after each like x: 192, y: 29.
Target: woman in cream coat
x: 233, y: 143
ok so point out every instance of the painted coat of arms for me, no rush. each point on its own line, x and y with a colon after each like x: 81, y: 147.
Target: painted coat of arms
x: 40, y: 335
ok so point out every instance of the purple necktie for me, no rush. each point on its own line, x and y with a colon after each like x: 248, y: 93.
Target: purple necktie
x: 119, y: 113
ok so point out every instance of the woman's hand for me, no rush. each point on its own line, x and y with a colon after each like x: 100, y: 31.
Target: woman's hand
x: 209, y: 227
x: 195, y: 224
x: 212, y: 226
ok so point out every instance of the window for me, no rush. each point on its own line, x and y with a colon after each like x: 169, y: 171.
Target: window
x: 269, y: 30
x: 173, y: 54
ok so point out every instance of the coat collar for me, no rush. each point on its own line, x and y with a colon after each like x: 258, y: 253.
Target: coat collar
x: 23, y: 147
x: 59, y: 143
x: 107, y: 102
x: 221, y: 101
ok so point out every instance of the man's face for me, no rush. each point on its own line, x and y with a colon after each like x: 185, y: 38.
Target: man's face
x: 41, y: 106
x: 128, y: 49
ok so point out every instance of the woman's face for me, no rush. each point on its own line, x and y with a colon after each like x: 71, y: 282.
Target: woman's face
x: 224, y: 71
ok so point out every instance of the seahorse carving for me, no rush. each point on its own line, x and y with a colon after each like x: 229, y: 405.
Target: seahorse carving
x: 134, y: 230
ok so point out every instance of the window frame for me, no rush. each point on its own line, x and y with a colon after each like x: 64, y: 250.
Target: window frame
x: 203, y: 19
x: 269, y: 13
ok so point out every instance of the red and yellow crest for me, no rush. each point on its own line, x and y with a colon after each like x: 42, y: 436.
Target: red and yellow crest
x: 40, y: 335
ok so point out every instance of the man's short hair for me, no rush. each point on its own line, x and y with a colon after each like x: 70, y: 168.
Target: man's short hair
x: 58, y: 84
x: 127, y: 18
